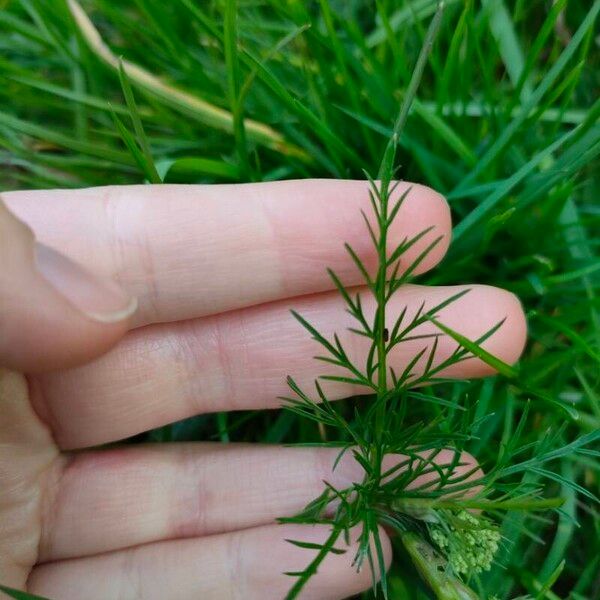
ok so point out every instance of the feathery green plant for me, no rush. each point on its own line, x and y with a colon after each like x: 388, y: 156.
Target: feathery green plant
x: 505, y: 125
x: 433, y: 511
x: 432, y: 517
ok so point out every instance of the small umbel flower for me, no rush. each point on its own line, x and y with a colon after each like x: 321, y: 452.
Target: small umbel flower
x: 468, y: 541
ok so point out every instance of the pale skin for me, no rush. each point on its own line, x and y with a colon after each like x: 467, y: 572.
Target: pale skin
x: 214, y: 270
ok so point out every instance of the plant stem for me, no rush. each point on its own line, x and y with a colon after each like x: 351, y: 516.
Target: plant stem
x: 385, y: 175
x: 432, y: 569
x: 474, y: 504
x: 379, y: 331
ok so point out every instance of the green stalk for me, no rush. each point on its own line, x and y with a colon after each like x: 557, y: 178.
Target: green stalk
x: 385, y: 174
x: 424, y: 504
x: 233, y: 72
x: 379, y: 331
x: 432, y: 569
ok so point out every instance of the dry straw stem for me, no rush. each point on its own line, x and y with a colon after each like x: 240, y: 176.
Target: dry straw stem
x: 210, y: 114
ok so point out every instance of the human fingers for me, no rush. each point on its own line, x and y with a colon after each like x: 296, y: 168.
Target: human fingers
x: 239, y: 360
x: 220, y: 567
x: 187, y: 251
x: 122, y: 497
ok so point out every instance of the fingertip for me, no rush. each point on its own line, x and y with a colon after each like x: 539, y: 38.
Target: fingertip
x: 485, y: 307
x: 501, y: 307
x: 516, y: 322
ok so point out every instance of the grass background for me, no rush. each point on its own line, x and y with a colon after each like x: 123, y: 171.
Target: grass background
x: 505, y: 125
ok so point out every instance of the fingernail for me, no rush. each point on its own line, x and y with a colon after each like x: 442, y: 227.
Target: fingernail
x: 99, y: 298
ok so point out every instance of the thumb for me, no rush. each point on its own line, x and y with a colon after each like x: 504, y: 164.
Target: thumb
x: 53, y: 312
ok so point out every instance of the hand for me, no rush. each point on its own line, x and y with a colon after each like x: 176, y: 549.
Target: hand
x: 214, y: 270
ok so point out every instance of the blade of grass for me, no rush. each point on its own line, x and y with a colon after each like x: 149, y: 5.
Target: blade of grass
x: 70, y: 94
x: 503, y: 31
x: 149, y: 167
x: 137, y: 155
x: 194, y: 166
x: 19, y: 595
x: 389, y: 155
x: 65, y: 141
x: 234, y: 85
x: 476, y: 349
x: 417, y: 9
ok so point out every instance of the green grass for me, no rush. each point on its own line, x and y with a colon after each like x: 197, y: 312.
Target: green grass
x: 505, y: 124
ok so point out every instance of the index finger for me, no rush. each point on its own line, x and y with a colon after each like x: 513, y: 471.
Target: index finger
x: 188, y: 251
